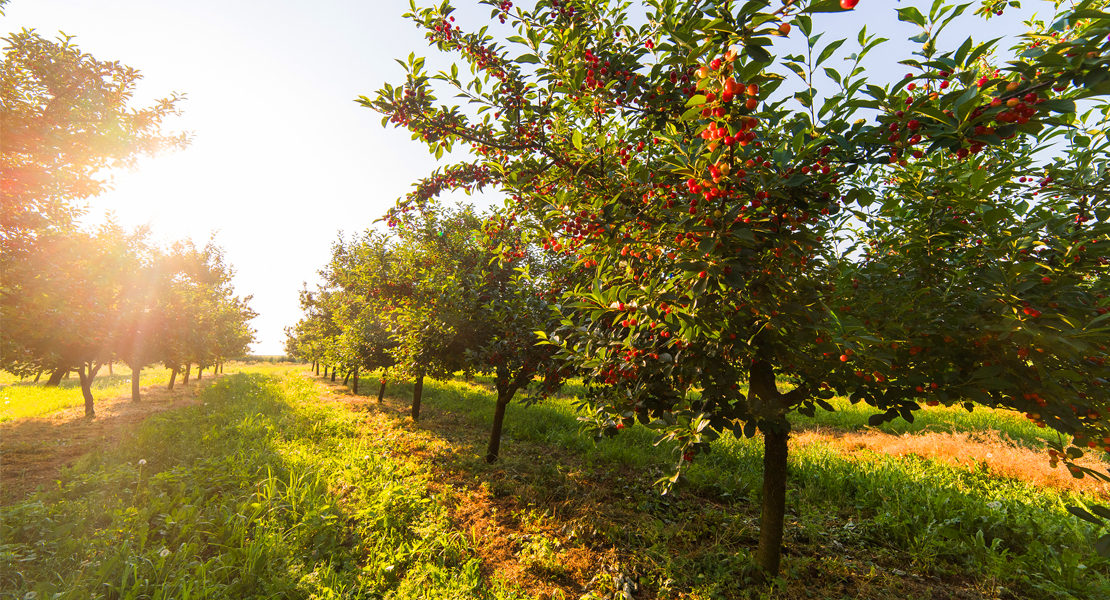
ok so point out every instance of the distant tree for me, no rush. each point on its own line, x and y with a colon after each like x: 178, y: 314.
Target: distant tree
x: 70, y: 314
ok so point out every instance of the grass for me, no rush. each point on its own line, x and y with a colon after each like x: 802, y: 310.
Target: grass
x: 21, y: 398
x: 955, y: 419
x: 262, y: 491
x: 266, y: 491
x: 863, y: 514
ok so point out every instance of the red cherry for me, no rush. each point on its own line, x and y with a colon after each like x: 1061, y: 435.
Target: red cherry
x: 848, y: 4
x: 1046, y: 280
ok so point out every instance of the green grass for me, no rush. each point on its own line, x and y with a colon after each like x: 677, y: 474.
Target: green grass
x: 20, y: 399
x: 260, y: 492
x: 265, y: 491
x: 954, y: 419
x: 907, y: 513
x: 24, y: 398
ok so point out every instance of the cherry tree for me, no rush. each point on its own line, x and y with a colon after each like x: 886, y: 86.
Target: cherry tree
x: 715, y: 203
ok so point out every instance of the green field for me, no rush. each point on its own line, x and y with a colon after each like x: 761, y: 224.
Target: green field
x: 265, y: 491
x: 23, y: 398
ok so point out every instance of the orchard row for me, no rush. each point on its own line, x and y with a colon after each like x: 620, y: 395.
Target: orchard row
x: 738, y: 221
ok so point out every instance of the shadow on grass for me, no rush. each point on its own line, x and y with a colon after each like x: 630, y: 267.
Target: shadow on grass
x: 861, y: 524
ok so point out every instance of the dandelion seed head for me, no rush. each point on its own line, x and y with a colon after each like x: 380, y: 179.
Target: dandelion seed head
x: 142, y: 462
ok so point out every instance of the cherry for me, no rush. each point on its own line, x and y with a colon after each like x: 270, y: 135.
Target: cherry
x: 848, y: 4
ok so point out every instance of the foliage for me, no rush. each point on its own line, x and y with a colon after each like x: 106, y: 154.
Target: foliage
x: 66, y: 118
x: 91, y: 297
x: 718, y: 215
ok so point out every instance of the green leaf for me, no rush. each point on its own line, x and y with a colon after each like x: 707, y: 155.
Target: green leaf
x: 961, y: 54
x: 1060, y: 105
x: 827, y: 52
x: 699, y: 287
x: 995, y: 215
x: 691, y: 114
x: 825, y: 6
x: 528, y: 58
x: 1102, y: 546
x: 576, y: 139
x: 1086, y: 516
x: 911, y: 15
x: 757, y: 53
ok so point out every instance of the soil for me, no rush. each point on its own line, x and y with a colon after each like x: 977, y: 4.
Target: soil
x: 34, y: 450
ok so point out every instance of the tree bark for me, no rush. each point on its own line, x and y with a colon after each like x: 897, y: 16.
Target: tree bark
x: 200, y: 370
x: 86, y: 388
x: 136, y: 372
x: 381, y: 392
x: 188, y: 369
x: 495, y: 434
x: 325, y: 371
x: 110, y: 368
x: 333, y: 377
x: 38, y: 375
x: 768, y: 554
x: 346, y: 376
x: 56, y: 376
x: 316, y: 367
x: 221, y: 368
x: 173, y: 377
x: 354, y: 388
x: 417, y: 393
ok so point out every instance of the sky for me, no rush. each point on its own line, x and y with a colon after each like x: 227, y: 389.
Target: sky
x: 282, y: 157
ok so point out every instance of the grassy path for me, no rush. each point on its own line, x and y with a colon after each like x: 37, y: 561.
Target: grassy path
x: 284, y: 487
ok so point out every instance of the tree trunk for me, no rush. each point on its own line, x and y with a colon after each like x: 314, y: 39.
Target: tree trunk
x: 38, y: 374
x: 136, y: 372
x: 354, y: 388
x: 381, y: 392
x: 325, y: 371
x: 86, y: 388
x: 188, y: 369
x: 173, y: 377
x: 316, y: 367
x: 333, y: 377
x: 56, y: 376
x: 110, y: 373
x: 769, y: 553
x: 200, y: 370
x: 346, y: 376
x: 221, y: 368
x: 417, y: 392
x: 495, y: 434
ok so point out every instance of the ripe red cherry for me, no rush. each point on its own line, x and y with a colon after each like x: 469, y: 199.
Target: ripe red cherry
x: 1046, y: 280
x: 848, y: 4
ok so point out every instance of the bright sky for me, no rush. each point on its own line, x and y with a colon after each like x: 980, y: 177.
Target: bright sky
x: 283, y: 158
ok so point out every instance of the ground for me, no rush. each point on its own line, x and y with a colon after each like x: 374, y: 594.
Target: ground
x: 33, y: 451
x: 549, y: 530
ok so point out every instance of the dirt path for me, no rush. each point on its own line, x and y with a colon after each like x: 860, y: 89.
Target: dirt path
x: 34, y: 450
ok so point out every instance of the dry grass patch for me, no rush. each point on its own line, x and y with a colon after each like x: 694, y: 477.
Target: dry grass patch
x: 1002, y: 456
